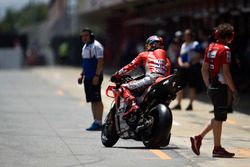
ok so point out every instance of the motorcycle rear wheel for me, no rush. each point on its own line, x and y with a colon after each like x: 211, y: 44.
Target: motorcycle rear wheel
x: 165, y: 142
x: 160, y: 134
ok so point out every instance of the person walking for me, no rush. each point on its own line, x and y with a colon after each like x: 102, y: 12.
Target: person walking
x: 217, y: 78
x: 92, y: 72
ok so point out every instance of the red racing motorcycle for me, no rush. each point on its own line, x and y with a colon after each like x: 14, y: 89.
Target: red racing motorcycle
x: 152, y: 123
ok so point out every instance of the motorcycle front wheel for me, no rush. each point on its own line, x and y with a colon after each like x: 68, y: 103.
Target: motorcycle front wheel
x: 109, y: 136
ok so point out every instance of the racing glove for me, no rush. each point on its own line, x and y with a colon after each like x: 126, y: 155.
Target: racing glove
x: 114, y: 77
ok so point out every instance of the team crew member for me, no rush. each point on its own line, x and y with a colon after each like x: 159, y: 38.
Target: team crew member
x: 189, y: 64
x: 92, y: 63
x: 217, y: 78
x: 155, y: 63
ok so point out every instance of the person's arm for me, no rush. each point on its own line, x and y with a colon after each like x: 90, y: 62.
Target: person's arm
x: 228, y: 77
x: 131, y: 66
x: 182, y: 64
x: 79, y: 80
x: 100, y: 66
x: 99, y: 69
x: 205, y: 73
x: 226, y: 61
x: 196, y: 51
x: 197, y: 58
x: 230, y: 83
x: 82, y: 73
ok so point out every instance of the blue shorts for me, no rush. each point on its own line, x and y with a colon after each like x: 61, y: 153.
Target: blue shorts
x: 93, y: 92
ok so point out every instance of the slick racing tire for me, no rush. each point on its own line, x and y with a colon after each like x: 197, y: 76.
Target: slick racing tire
x: 165, y: 142
x: 109, y: 136
x: 159, y: 135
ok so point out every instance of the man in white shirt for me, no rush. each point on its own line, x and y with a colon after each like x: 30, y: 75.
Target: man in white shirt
x: 93, y: 62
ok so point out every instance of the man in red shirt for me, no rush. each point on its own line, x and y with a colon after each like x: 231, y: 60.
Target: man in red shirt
x: 217, y: 78
x: 155, y: 64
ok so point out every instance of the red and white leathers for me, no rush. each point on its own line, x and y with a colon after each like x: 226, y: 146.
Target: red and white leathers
x: 155, y: 64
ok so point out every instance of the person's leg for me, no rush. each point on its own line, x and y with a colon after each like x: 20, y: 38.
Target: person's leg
x: 94, y: 96
x: 208, y: 127
x: 193, y: 75
x: 217, y: 130
x: 97, y: 110
x: 179, y: 99
x: 132, y: 86
x: 216, y: 126
x: 192, y: 95
x: 218, y: 150
x: 220, y: 111
x: 180, y: 94
x: 230, y: 101
x: 196, y: 141
x: 220, y: 102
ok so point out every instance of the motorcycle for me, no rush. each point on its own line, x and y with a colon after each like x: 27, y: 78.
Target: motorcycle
x: 152, y: 124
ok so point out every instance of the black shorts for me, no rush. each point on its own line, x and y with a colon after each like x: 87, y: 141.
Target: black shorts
x: 219, y: 96
x: 190, y: 76
x: 93, y: 92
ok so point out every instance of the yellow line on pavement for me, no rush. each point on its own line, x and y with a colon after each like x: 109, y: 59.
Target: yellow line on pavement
x: 231, y: 121
x: 161, y: 154
x: 244, y: 152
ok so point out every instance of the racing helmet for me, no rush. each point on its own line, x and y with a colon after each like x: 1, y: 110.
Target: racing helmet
x: 154, y: 42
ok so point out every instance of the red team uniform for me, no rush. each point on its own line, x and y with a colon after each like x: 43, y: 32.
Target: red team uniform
x: 155, y: 64
x: 217, y: 55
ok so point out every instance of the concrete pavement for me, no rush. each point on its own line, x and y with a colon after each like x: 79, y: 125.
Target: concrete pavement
x: 43, y: 118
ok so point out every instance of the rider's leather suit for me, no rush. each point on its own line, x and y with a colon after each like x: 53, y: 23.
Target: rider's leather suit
x: 155, y: 64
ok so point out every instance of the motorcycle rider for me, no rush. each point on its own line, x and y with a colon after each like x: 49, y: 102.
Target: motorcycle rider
x: 155, y: 64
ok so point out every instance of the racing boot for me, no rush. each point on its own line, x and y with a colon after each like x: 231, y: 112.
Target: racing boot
x: 130, y: 100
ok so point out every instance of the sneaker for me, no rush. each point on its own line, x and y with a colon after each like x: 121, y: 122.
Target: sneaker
x: 189, y: 107
x: 196, y: 144
x: 222, y: 153
x: 133, y: 109
x: 94, y: 127
x: 177, y: 107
